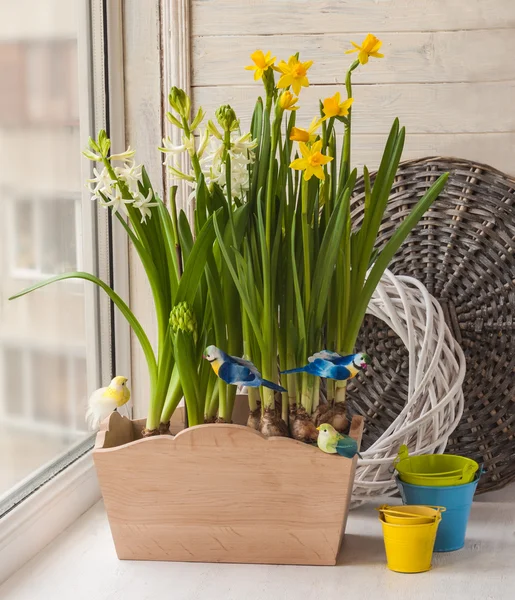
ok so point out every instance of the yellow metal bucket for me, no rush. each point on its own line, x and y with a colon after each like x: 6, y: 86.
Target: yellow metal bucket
x: 409, y: 548
x: 410, y: 514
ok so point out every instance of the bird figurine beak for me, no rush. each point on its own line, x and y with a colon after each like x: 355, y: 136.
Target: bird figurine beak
x: 318, y: 428
x: 204, y: 356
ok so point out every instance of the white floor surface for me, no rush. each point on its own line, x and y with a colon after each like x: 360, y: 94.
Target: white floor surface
x: 81, y: 564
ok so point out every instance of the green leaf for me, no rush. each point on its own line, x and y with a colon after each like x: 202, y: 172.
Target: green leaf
x: 185, y: 236
x: 173, y: 396
x: 184, y: 353
x: 379, y: 199
x: 120, y: 304
x: 324, y: 267
x: 301, y: 318
x: 166, y: 224
x: 195, y: 263
x: 385, y: 256
x: 253, y: 318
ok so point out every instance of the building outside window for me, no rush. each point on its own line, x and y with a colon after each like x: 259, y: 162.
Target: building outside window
x: 44, y: 354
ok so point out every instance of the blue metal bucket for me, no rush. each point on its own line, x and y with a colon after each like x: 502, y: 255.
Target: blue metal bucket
x: 457, y: 499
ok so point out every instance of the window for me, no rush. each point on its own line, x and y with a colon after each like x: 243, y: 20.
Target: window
x: 44, y: 234
x: 39, y: 81
x: 50, y: 355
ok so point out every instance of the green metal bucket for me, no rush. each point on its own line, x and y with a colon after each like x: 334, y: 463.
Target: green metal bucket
x: 436, y: 470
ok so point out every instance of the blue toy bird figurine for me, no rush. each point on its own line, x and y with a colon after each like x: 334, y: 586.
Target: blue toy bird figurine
x: 332, y: 365
x: 236, y: 371
x: 332, y: 442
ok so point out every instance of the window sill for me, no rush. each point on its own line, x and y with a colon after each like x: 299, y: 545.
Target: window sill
x: 36, y: 521
x: 82, y: 564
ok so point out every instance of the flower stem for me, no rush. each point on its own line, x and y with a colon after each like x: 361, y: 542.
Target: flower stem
x: 346, y: 159
x: 173, y: 396
x: 308, y: 390
x: 305, y: 245
x: 253, y: 395
x: 222, y: 400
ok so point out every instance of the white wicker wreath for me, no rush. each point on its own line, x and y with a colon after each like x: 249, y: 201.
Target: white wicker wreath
x: 436, y: 372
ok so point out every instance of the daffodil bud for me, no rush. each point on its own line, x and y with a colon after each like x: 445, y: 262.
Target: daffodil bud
x: 226, y: 118
x: 180, y: 102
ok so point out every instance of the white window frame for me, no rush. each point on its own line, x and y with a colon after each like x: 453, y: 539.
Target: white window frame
x: 61, y: 491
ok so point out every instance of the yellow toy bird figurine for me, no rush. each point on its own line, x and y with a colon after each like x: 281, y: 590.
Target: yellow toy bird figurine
x: 332, y: 442
x: 103, y: 401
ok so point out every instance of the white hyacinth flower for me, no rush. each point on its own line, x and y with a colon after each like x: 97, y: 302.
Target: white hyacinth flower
x: 243, y: 145
x: 102, y: 182
x: 239, y: 176
x: 171, y: 150
x: 241, y: 154
x: 204, y: 140
x: 117, y: 202
x: 123, y: 155
x: 144, y: 205
x: 130, y: 174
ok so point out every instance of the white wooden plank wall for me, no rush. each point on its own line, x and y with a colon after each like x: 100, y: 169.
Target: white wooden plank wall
x: 143, y: 104
x: 448, y: 73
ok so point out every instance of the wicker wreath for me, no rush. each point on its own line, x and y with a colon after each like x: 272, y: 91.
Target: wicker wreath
x: 462, y: 250
x: 433, y: 388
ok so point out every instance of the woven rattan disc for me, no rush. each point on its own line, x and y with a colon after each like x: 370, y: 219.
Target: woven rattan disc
x: 462, y: 250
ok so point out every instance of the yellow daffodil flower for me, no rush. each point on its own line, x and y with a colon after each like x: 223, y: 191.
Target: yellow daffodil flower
x: 333, y: 107
x: 312, y: 161
x: 287, y: 101
x: 369, y: 47
x: 298, y: 134
x: 262, y: 62
x: 293, y: 73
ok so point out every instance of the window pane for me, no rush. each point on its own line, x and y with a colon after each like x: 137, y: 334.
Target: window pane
x: 58, y: 243
x: 42, y: 336
x: 14, y: 388
x: 23, y: 236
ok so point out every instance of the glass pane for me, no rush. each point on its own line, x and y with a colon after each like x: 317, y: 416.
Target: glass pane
x: 58, y: 244
x: 13, y: 391
x: 24, y: 247
x: 42, y: 339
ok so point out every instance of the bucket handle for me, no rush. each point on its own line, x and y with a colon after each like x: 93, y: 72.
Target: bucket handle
x: 467, y: 469
x: 391, y: 510
x: 439, y: 508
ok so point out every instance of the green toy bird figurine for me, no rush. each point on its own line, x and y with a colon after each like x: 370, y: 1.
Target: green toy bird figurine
x: 332, y: 442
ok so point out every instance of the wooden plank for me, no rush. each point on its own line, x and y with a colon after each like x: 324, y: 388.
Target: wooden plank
x: 250, y: 17
x: 495, y: 149
x: 143, y: 98
x: 174, y: 498
x: 409, y: 57
x: 430, y: 108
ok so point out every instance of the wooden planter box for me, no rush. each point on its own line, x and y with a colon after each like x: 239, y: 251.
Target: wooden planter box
x: 222, y: 493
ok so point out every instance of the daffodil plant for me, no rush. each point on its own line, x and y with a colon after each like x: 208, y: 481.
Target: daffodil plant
x: 271, y: 266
